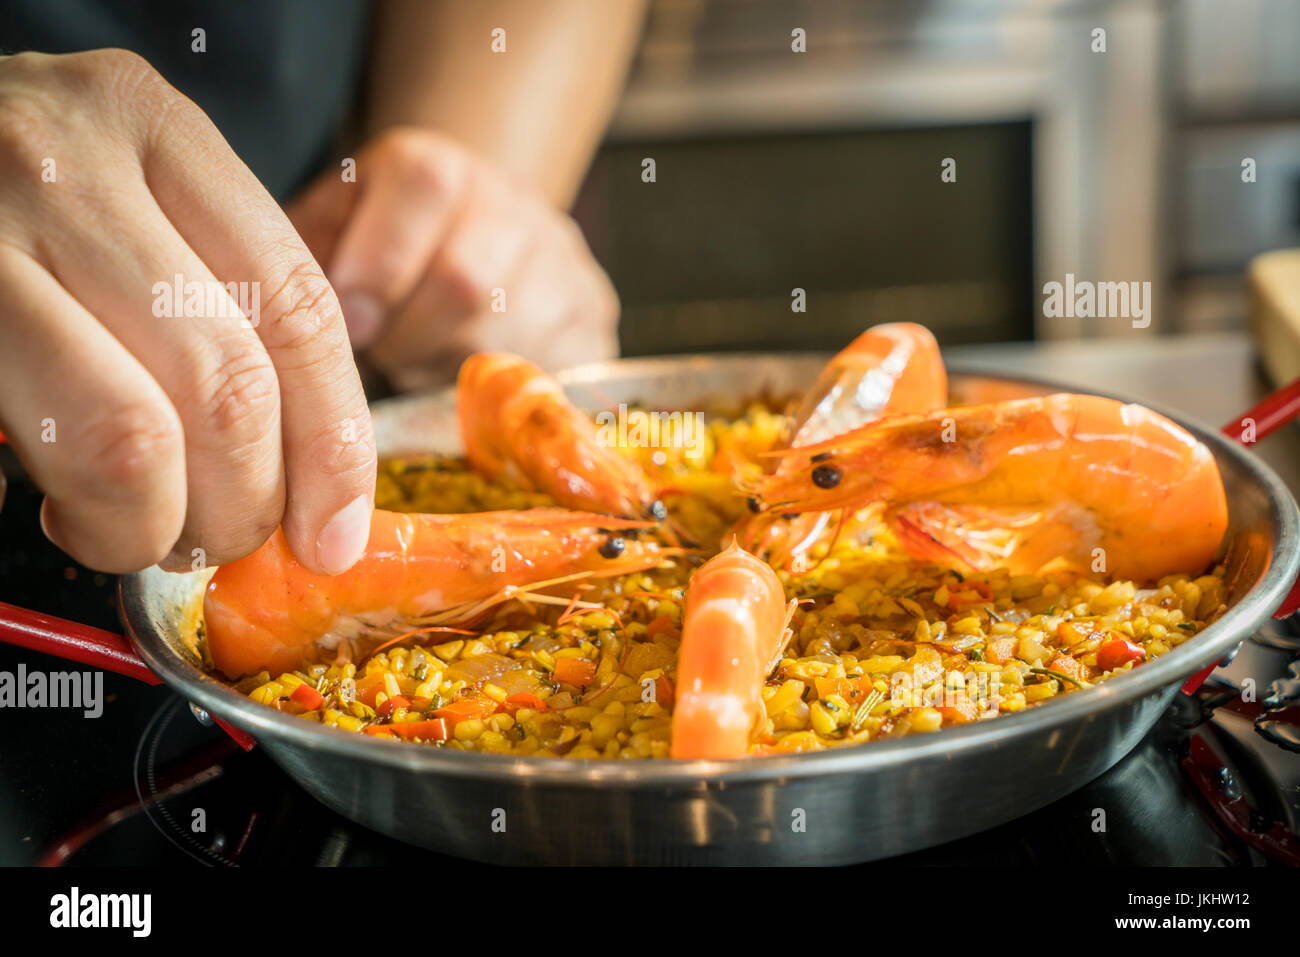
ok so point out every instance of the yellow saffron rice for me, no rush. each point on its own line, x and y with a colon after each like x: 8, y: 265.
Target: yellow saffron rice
x: 883, y: 646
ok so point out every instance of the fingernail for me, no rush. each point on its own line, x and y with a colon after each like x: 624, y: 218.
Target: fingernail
x: 49, y: 526
x: 177, y: 560
x: 344, y: 536
x: 363, y: 314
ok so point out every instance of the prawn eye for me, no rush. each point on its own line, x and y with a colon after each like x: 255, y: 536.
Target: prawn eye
x: 612, y: 548
x: 754, y: 504
x: 658, y: 511
x: 826, y: 476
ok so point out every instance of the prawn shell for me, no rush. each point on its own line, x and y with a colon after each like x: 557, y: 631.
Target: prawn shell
x: 1128, y: 492
x: 517, y: 422
x: 268, y: 612
x: 733, y: 629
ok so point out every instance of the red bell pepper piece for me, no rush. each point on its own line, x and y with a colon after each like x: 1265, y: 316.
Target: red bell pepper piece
x: 308, y: 697
x: 465, y: 709
x: 524, y: 699
x: 1118, y: 652
x: 391, y: 705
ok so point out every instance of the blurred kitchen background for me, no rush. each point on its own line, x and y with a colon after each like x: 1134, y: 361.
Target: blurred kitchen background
x: 821, y: 170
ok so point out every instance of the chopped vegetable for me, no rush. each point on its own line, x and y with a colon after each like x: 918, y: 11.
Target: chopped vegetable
x: 464, y: 709
x: 1059, y: 676
x: 1001, y: 650
x: 1070, y: 667
x: 523, y: 699
x: 578, y: 672
x: 969, y: 593
x: 392, y: 704
x: 664, y: 691
x: 308, y: 697
x: 1071, y: 633
x: 1118, y: 652
x: 961, y: 712
x: 435, y: 729
x: 369, y: 686
x: 662, y: 623
x: 864, y: 710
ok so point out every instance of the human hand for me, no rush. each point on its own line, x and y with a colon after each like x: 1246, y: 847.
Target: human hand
x: 186, y: 438
x: 436, y: 255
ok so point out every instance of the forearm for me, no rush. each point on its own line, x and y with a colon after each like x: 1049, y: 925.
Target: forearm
x: 538, y: 109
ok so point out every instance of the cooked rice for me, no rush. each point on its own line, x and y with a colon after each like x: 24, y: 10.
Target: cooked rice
x: 883, y: 646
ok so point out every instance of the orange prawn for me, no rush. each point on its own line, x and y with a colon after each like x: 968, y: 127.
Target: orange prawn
x: 733, y: 632
x: 266, y: 611
x: 516, y: 421
x: 890, y: 369
x: 1024, y: 482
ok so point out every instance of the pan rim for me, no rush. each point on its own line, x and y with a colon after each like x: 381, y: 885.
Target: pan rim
x: 1154, y: 678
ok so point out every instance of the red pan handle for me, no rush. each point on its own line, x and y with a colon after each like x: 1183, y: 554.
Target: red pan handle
x: 1263, y: 419
x: 74, y: 642
x: 88, y: 646
x: 1268, y: 416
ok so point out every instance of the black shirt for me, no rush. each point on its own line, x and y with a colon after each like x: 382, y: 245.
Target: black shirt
x: 277, y: 77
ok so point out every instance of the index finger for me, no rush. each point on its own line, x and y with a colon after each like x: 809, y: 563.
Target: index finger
x: 242, y: 235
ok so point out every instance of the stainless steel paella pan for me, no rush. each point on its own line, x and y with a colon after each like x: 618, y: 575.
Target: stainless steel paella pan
x: 852, y: 804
